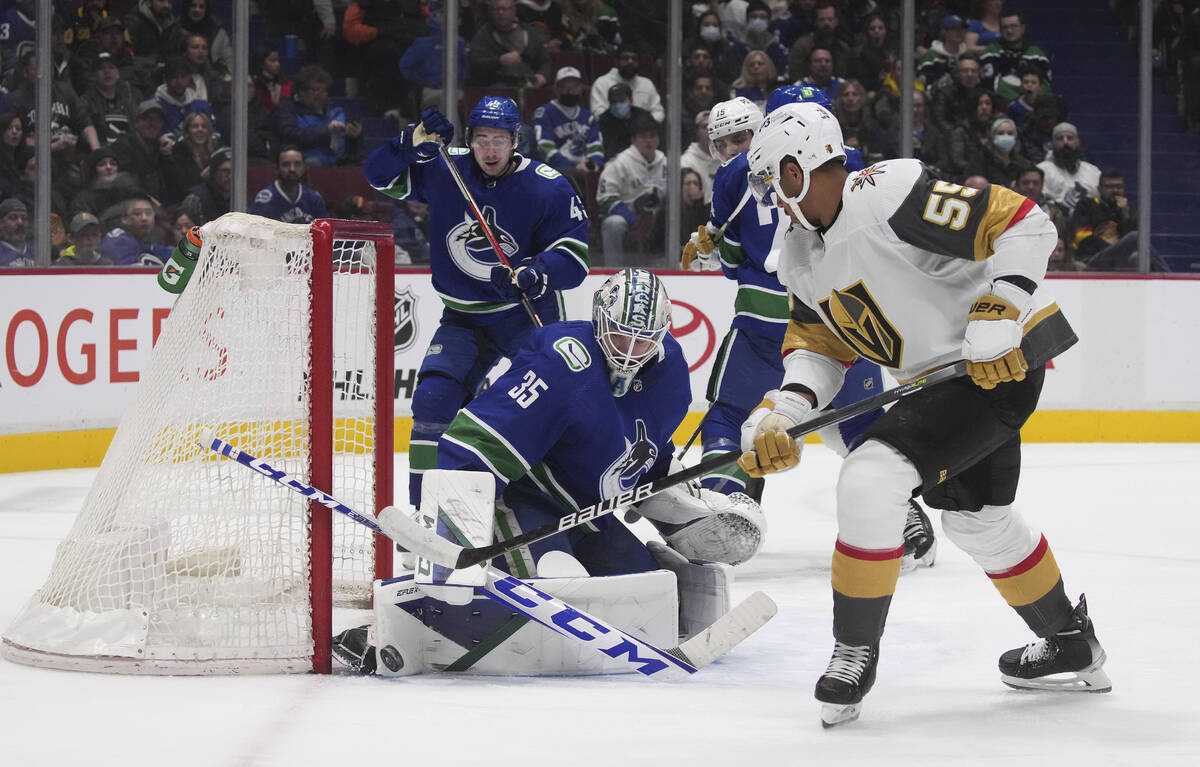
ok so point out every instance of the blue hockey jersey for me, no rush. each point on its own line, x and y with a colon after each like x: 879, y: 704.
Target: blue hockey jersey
x: 550, y: 426
x: 761, y: 305
x: 126, y: 250
x: 533, y: 211
x: 271, y: 202
x: 564, y: 140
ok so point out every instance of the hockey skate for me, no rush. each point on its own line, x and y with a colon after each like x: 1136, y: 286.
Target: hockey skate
x: 1071, y: 660
x: 849, y: 677
x: 920, y: 545
x: 353, y: 649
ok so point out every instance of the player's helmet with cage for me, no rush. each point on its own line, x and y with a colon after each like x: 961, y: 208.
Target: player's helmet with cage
x: 728, y: 118
x: 630, y: 315
x: 798, y: 94
x: 810, y: 135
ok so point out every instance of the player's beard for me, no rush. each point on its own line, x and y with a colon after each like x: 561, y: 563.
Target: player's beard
x: 1067, y: 158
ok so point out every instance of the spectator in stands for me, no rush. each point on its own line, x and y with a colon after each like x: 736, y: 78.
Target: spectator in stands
x: 1032, y: 86
x: 984, y: 29
x: 143, y: 151
x: 700, y: 62
x: 699, y: 97
x: 110, y: 101
x: 12, y: 141
x: 198, y: 20
x: 86, y: 20
x: 506, y: 52
x: 71, y: 131
x: 869, y: 62
x: 210, y: 83
x: 698, y: 156
x: 287, y: 199
x: 309, y: 121
x: 937, y: 66
x: 694, y: 205
x: 1000, y: 162
x: 1030, y: 183
x: 828, y: 35
x: 758, y: 78
x: 567, y: 133
x: 107, y: 190
x: 758, y: 37
x: 1069, y: 178
x: 632, y: 188
x: 645, y: 95
x: 131, y: 244
x: 854, y: 113
x: 588, y: 25
x: 421, y: 64
x: 383, y: 30
x: 270, y: 85
x: 1036, y: 139
x: 969, y: 136
x: 180, y: 224
x: 820, y: 72
x: 726, y: 53
x: 18, y: 30
x: 958, y: 100
x: 1000, y: 61
x: 187, y: 165
x: 410, y: 223
x: 1103, y: 228
x: 209, y: 199
x: 1063, y: 260
x: 153, y: 31
x: 177, y: 96
x: 616, y: 121
x: 930, y: 144
x: 83, y: 234
x: 110, y: 39
x: 15, y: 251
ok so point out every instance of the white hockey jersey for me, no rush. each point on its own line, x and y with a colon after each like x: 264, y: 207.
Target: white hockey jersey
x: 893, y: 278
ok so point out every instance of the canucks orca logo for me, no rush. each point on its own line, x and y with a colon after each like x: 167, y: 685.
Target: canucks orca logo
x: 472, y: 251
x: 405, y: 321
x: 623, y: 474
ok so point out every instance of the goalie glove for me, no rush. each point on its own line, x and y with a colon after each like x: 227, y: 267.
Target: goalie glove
x: 176, y: 273
x: 992, y: 343
x: 700, y: 254
x: 766, y: 446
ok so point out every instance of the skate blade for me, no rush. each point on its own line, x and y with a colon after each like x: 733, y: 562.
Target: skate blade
x: 1090, y: 679
x: 909, y: 562
x: 833, y: 714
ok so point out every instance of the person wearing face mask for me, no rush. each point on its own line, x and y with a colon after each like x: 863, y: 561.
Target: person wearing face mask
x: 1000, y: 162
x: 567, y: 134
x: 1069, y: 177
x: 616, y: 121
x: 725, y: 50
x: 758, y: 37
x: 642, y: 90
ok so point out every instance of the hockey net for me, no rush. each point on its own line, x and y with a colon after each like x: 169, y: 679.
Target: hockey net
x: 181, y: 562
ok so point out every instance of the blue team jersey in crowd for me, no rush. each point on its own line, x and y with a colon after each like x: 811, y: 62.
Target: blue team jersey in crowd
x: 532, y: 211
x: 272, y: 203
x: 761, y: 305
x: 564, y: 140
x: 123, y: 249
x: 550, y: 426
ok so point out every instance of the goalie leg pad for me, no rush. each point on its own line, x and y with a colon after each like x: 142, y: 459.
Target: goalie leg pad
x: 703, y: 588
x: 459, y: 505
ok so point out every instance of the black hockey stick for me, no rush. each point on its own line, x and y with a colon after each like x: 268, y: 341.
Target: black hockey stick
x: 487, y: 231
x: 428, y: 544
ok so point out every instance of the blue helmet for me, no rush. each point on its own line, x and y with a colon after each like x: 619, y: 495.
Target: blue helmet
x: 798, y: 94
x: 495, y: 112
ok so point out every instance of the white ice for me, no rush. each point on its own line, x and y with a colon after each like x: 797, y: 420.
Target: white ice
x: 1122, y: 520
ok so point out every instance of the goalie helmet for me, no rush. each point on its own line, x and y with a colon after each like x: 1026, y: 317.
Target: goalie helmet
x: 630, y: 315
x: 729, y: 117
x: 809, y: 134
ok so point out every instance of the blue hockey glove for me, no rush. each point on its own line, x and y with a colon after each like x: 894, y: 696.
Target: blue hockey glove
x: 431, y: 134
x: 529, y: 279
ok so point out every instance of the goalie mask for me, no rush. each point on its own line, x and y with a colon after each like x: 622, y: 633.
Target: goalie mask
x: 807, y: 133
x: 630, y: 315
x: 728, y: 118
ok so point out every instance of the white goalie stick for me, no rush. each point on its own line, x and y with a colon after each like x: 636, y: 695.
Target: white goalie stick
x: 723, y: 635
x: 428, y: 544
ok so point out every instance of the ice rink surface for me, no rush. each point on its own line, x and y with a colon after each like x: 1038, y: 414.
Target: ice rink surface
x: 1123, y: 521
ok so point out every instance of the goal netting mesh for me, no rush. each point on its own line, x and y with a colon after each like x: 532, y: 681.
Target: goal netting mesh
x: 184, y: 562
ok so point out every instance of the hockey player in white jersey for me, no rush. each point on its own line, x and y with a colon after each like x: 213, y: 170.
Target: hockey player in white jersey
x: 916, y: 273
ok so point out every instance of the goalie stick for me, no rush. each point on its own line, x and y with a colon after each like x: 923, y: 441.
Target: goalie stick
x: 428, y: 544
x: 723, y: 635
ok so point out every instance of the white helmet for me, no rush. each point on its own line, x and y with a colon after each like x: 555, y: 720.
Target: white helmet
x: 732, y: 116
x: 806, y: 132
x: 630, y: 315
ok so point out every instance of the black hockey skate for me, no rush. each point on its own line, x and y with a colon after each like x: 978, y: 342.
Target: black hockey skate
x: 849, y: 677
x: 1071, y: 660
x: 920, y: 545
x: 353, y: 650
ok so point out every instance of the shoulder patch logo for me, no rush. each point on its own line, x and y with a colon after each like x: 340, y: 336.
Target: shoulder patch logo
x: 546, y: 171
x: 867, y: 176
x: 573, y: 353
x: 470, y: 248
x: 862, y: 324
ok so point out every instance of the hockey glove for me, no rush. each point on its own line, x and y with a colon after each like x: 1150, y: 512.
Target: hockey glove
x: 529, y: 279
x: 176, y: 273
x: 766, y: 446
x: 431, y: 134
x: 992, y: 343
x: 700, y: 253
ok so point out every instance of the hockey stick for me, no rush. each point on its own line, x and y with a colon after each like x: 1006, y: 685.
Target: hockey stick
x: 696, y: 433
x: 723, y: 635
x: 428, y: 544
x: 487, y: 231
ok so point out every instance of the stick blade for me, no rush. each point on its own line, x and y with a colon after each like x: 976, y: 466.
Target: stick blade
x: 728, y: 631
x: 412, y: 535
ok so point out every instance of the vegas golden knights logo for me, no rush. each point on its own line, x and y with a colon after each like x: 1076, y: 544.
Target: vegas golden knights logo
x: 861, y: 323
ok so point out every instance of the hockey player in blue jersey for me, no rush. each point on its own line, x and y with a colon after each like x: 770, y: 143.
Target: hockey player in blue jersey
x: 536, y: 217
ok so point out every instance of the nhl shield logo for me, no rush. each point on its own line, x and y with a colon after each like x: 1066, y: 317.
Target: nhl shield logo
x: 472, y: 251
x: 405, y: 320
x: 862, y: 324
